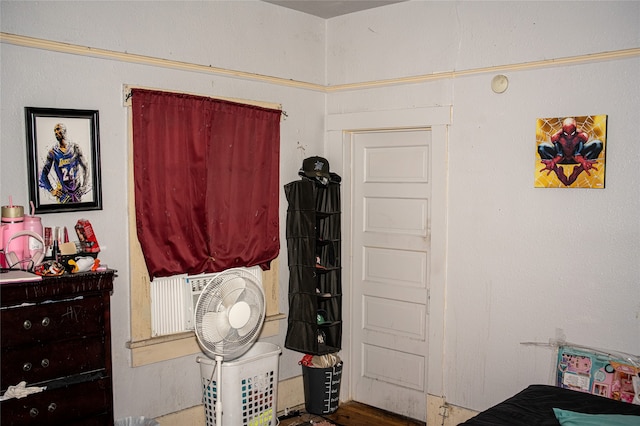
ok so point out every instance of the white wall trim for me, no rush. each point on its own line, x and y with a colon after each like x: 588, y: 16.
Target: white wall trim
x: 55, y: 46
x: 74, y: 49
x: 340, y: 128
x: 407, y: 118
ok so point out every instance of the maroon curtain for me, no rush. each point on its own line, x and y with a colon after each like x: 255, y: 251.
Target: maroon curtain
x: 206, y: 175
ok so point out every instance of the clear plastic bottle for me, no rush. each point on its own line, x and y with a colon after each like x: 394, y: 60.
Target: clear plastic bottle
x: 33, y: 245
x: 56, y: 245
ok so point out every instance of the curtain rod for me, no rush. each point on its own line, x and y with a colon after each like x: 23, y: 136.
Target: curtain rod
x: 262, y: 104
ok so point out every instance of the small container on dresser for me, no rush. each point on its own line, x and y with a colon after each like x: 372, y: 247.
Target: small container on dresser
x: 56, y: 334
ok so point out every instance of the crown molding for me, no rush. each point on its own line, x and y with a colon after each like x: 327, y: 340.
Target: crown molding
x: 74, y: 49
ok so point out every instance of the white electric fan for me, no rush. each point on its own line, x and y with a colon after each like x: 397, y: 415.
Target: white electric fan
x: 228, y: 318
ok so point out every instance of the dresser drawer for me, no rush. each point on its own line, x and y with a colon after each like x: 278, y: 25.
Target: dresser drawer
x: 74, y: 404
x: 39, y: 363
x: 53, y: 321
x: 56, y: 333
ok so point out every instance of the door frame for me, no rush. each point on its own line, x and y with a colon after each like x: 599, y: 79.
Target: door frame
x: 340, y: 129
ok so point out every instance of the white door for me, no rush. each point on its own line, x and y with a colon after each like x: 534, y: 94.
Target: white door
x: 391, y: 187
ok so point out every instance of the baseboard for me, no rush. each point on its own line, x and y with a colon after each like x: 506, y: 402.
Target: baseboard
x: 438, y: 408
x: 290, y: 394
x: 193, y: 416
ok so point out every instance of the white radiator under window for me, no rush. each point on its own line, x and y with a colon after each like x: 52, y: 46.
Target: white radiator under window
x: 173, y: 300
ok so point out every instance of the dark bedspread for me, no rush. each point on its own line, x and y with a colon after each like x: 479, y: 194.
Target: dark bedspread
x: 534, y: 407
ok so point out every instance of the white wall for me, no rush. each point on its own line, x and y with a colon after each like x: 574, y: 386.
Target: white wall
x: 251, y: 37
x: 523, y: 264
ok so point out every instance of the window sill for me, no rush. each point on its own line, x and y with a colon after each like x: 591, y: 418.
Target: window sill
x: 163, y: 348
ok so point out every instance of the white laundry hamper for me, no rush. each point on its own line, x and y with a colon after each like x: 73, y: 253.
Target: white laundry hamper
x: 249, y: 387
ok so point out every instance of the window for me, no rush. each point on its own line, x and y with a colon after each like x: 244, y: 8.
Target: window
x: 145, y: 348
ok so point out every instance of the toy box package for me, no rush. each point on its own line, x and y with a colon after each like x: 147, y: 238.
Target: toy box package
x: 593, y: 371
x: 86, y: 236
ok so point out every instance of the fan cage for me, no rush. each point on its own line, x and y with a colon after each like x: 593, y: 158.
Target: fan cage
x: 220, y: 290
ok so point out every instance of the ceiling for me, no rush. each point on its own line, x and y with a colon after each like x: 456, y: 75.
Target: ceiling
x: 330, y: 8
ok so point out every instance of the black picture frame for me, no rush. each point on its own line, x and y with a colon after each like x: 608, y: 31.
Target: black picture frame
x: 81, y: 187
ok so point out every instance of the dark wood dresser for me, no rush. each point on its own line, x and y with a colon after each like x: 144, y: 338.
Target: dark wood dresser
x: 56, y: 333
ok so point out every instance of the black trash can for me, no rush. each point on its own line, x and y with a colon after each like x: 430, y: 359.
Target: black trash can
x: 322, y: 388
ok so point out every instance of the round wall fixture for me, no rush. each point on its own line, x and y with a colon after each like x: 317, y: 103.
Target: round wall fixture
x: 499, y: 83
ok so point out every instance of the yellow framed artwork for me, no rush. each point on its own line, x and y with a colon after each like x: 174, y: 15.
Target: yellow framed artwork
x: 570, y: 152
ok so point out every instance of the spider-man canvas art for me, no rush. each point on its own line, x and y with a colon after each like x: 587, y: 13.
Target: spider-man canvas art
x: 570, y: 152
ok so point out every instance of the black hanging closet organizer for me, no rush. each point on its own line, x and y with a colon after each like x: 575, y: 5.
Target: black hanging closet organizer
x: 315, y: 273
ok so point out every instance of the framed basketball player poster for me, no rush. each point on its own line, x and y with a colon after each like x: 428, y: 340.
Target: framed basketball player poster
x: 63, y: 155
x: 570, y: 152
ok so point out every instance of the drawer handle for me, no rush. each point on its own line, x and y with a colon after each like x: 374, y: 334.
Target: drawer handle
x: 45, y: 363
x: 46, y: 321
x: 34, y: 412
x: 27, y: 325
x: 52, y: 407
x: 26, y: 366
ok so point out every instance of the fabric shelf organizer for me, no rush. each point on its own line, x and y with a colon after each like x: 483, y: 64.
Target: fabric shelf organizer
x: 313, y: 236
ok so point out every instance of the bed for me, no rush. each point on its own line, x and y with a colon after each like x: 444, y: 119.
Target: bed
x: 534, y: 406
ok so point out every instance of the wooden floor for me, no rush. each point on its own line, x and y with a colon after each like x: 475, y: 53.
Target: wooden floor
x: 350, y: 414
